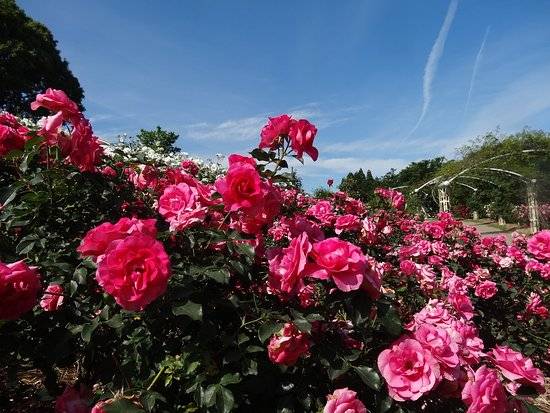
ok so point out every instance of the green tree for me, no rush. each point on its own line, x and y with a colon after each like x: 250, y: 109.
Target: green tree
x: 30, y: 62
x: 159, y: 139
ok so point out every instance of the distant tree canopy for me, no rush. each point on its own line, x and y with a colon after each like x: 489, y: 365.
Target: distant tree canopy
x: 159, y: 139
x: 30, y: 62
x: 496, y: 194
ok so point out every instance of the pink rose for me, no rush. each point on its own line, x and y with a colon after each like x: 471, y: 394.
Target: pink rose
x: 408, y: 267
x: 517, y: 368
x: 344, y: 401
x: 10, y: 140
x: 98, y: 239
x: 287, y: 346
x: 409, y: 369
x: 276, y: 127
x: 190, y: 166
x: 134, y: 270
x: 72, y: 401
x: 322, y: 210
x: 539, y: 245
x: 486, y: 289
x: 180, y: 206
x: 85, y: 152
x: 109, y: 172
x: 52, y: 298
x: 395, y: 198
x: 484, y: 393
x: 462, y: 305
x: 470, y: 345
x: 535, y: 307
x: 441, y: 345
x: 372, y: 280
x: 99, y: 407
x: 302, y: 133
x: 286, y: 269
x: 346, y: 222
x: 19, y: 285
x: 56, y: 100
x: 434, y: 313
x: 242, y: 186
x: 340, y: 261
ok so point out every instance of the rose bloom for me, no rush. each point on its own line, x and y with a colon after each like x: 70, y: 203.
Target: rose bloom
x: 408, y: 267
x: 134, y: 270
x: 346, y: 222
x: 462, y: 304
x: 340, y: 261
x: 180, y: 206
x: 276, y: 127
x: 51, y: 302
x: 85, y: 152
x: 344, y: 401
x: 409, y: 369
x: 372, y: 280
x: 72, y: 401
x: 286, y: 268
x: 517, y: 368
x: 99, y: 407
x: 56, y: 100
x: 440, y: 343
x: 535, y: 307
x: 302, y: 133
x: 322, y: 210
x: 484, y: 393
x: 10, y: 140
x: 287, y: 346
x: 433, y: 313
x: 97, y: 240
x: 242, y: 186
x: 19, y: 285
x: 190, y: 166
x: 486, y: 289
x: 470, y: 345
x: 539, y: 245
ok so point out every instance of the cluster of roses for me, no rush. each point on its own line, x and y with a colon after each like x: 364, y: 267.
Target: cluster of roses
x: 299, y: 134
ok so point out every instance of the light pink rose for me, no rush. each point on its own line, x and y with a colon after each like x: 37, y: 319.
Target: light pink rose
x: 276, y: 127
x: 287, y: 346
x: 539, y: 245
x: 180, y: 206
x: 98, y: 239
x: 286, y: 266
x: 340, y: 261
x: 19, y: 285
x: 486, y: 289
x: 344, y: 401
x: 484, y: 393
x: 517, y: 368
x: 409, y: 369
x: 440, y: 343
x: 52, y: 298
x: 470, y: 345
x: 302, y: 133
x: 434, y: 313
x: 346, y: 222
x: 134, y: 270
x: 241, y: 187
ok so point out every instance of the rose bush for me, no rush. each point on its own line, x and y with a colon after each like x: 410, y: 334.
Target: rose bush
x: 165, y: 284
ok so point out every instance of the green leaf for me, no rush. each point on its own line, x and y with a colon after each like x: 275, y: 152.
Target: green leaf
x: 115, y: 322
x: 230, y: 378
x: 149, y: 399
x: 220, y: 275
x: 385, y: 405
x: 209, y: 395
x: 88, y: 329
x: 224, y: 400
x: 369, y: 376
x: 392, y: 322
x: 267, y: 330
x: 122, y: 406
x: 190, y: 309
x: 531, y: 409
x: 260, y: 155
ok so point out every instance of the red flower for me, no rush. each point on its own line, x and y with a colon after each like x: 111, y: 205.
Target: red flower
x: 287, y: 346
x: 302, y: 133
x: 52, y: 298
x: 19, y: 285
x: 276, y: 127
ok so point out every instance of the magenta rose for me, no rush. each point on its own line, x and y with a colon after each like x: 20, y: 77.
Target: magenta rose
x: 484, y: 393
x: 408, y: 267
x: 276, y: 127
x: 344, y: 401
x: 409, y: 369
x: 52, y: 298
x: 338, y: 260
x: 180, y: 206
x: 462, y: 304
x: 287, y: 346
x: 517, y: 368
x: 286, y: 269
x: 346, y: 222
x: 302, y: 133
x: 134, y: 270
x: 85, y: 152
x: 98, y: 239
x: 322, y: 210
x: 56, y: 100
x: 486, y: 289
x: 190, y: 166
x: 10, y: 140
x: 242, y: 186
x: 19, y: 285
x: 539, y: 245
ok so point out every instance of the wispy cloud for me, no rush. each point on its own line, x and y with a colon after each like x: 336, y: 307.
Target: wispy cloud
x: 475, y: 69
x: 340, y: 166
x: 433, y: 60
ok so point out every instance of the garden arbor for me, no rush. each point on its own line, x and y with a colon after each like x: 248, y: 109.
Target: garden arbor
x: 443, y: 184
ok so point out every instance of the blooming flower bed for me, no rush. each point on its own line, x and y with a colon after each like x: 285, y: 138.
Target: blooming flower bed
x: 181, y: 286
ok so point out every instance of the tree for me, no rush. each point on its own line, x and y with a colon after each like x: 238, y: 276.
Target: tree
x: 159, y: 139
x: 30, y: 62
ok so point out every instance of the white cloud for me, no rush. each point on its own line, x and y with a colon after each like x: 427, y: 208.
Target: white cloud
x: 433, y: 61
x: 339, y: 166
x: 475, y: 69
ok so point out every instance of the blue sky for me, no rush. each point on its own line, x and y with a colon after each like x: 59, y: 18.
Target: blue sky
x: 386, y: 82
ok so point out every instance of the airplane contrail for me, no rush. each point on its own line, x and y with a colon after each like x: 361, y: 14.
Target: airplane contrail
x: 475, y: 69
